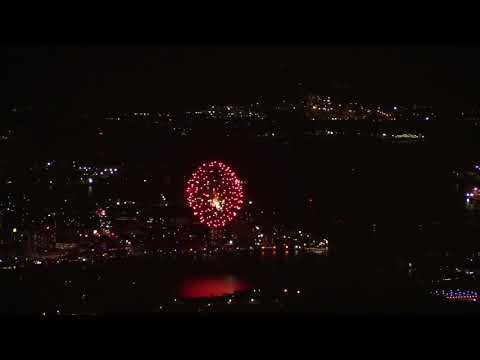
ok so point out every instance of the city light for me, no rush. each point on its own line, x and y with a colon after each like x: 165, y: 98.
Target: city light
x: 457, y: 295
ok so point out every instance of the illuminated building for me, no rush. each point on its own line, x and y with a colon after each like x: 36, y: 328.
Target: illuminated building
x: 457, y: 295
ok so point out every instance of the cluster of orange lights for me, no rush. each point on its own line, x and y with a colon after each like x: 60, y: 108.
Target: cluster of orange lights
x: 384, y: 113
x: 215, y: 194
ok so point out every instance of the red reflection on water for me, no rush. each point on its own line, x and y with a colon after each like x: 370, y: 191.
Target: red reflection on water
x: 212, y: 286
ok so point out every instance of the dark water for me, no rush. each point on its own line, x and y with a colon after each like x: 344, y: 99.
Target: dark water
x: 140, y: 285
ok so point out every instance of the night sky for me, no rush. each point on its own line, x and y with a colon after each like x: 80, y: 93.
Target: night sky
x: 107, y: 77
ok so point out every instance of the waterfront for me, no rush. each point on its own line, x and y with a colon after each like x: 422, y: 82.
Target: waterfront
x: 141, y: 285
x: 379, y: 213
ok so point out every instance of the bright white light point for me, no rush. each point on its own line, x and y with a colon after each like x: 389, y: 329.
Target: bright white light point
x: 90, y: 180
x: 216, y: 204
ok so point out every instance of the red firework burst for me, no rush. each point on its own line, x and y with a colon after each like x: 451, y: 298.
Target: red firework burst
x: 214, y: 193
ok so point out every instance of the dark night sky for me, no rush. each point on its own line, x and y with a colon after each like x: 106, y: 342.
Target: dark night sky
x: 85, y: 78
